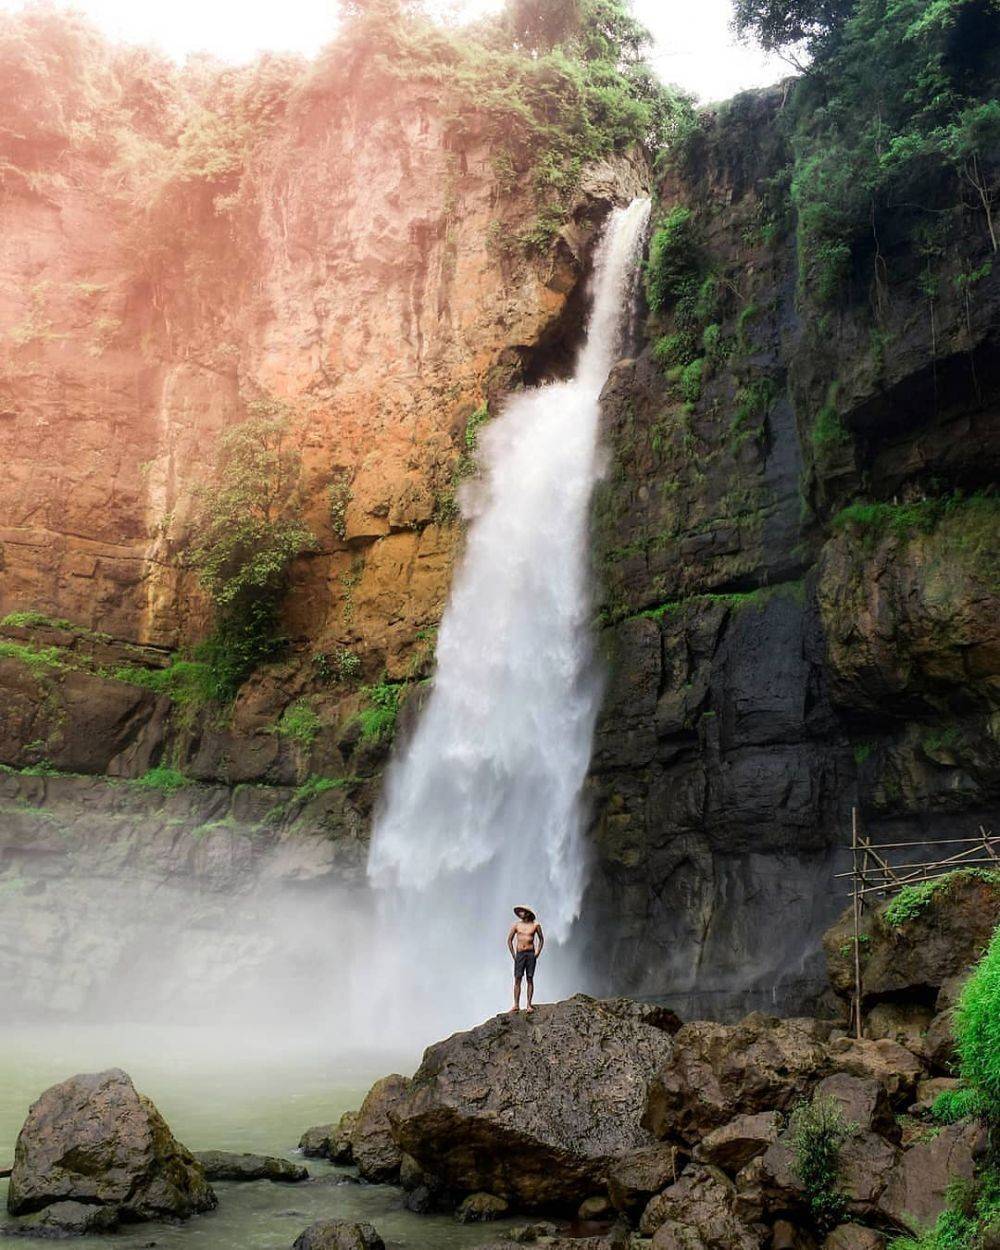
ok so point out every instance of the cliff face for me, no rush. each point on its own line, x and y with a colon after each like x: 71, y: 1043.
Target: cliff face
x: 801, y: 586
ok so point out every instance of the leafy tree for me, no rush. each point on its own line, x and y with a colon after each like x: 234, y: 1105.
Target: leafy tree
x: 246, y: 536
x: 780, y: 25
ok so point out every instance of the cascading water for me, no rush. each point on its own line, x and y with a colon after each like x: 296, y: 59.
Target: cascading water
x: 482, y: 809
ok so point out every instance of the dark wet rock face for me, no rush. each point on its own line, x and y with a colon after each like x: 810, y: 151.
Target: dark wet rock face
x: 374, y: 1147
x: 93, y: 1140
x: 533, y: 1108
x: 225, y: 1165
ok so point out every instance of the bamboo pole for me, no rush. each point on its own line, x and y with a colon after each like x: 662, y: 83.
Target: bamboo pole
x: 895, y: 846
x: 857, y: 925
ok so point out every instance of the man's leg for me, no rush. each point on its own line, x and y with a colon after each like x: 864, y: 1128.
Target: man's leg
x: 517, y: 995
x: 531, y: 993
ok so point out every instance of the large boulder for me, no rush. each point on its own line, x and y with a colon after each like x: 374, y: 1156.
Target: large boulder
x: 916, y: 1190
x: 697, y: 1211
x: 93, y: 1139
x: 863, y: 1102
x: 636, y: 1177
x: 330, y: 1141
x: 885, y: 1061
x: 373, y: 1146
x: 938, y: 942
x: 716, y: 1072
x: 65, y: 1219
x: 338, y: 1235
x: 733, y: 1145
x: 225, y: 1165
x: 534, y: 1108
x: 864, y: 1165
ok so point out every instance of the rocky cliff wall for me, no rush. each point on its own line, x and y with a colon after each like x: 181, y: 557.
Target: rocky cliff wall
x: 800, y: 580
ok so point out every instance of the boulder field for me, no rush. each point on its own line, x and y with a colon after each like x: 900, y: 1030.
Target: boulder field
x: 689, y: 1137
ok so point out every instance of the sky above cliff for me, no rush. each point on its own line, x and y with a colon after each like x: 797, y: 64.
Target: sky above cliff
x: 694, y: 45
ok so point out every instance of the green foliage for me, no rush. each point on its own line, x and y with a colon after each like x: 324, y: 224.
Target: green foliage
x: 901, y: 521
x: 247, y: 535
x: 780, y: 24
x: 299, y: 722
x: 32, y: 620
x: 863, y: 751
x: 166, y: 780
x: 378, y: 720
x: 38, y: 659
x: 674, y: 259
x: 912, y: 901
x: 690, y: 380
x: 188, y: 682
x: 952, y: 1105
x: 754, y: 400
x: 900, y: 98
x: 818, y: 1132
x: 314, y: 786
x: 970, y: 1221
x: 673, y: 351
x: 339, y: 493
x: 977, y: 1030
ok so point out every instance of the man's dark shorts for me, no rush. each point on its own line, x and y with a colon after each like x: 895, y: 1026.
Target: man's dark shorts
x: 524, y: 965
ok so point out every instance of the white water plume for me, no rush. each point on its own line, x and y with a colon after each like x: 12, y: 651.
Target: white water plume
x: 482, y: 807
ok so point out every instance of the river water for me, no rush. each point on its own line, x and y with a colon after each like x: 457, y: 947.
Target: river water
x: 228, y: 1093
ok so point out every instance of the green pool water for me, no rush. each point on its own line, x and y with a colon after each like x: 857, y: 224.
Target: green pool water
x: 233, y: 1092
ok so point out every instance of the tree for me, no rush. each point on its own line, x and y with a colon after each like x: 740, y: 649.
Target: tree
x: 248, y: 532
x: 783, y: 25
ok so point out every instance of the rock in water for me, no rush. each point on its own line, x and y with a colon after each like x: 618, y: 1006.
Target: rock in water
x: 373, y: 1147
x: 533, y: 1108
x: 338, y: 1235
x: 225, y: 1165
x: 93, y: 1139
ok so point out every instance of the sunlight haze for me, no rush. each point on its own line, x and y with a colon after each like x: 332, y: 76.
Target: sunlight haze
x: 694, y: 46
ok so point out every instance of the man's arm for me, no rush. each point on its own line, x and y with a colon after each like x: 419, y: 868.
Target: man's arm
x: 541, y: 940
x: 510, y: 939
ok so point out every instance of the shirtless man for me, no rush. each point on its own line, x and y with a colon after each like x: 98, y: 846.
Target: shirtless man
x: 522, y: 935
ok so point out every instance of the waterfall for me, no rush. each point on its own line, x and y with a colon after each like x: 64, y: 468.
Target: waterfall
x: 482, y: 807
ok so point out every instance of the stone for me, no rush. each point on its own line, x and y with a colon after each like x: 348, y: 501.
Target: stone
x: 928, y: 1090
x: 338, y: 1235
x: 884, y: 1060
x: 597, y: 1207
x: 315, y: 1142
x: 862, y: 1101
x: 865, y: 1164
x: 66, y: 1219
x: 733, y: 1145
x: 915, y: 1193
x: 94, y: 1139
x: 481, y: 1208
x: 854, y: 1237
x: 674, y: 1236
x: 905, y: 1023
x: 533, y: 1108
x: 635, y: 1177
x: 225, y: 1165
x: 939, y: 1043
x: 788, y: 1236
x: 930, y: 950
x: 373, y: 1146
x: 702, y: 1200
x: 717, y: 1072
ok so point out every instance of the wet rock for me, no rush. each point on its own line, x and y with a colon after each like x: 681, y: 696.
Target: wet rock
x: 905, y: 1023
x: 788, y: 1236
x: 373, y: 1146
x: 886, y: 1061
x: 716, y: 1072
x: 854, y: 1237
x: 338, y: 1235
x: 65, y: 1219
x: 865, y: 1164
x: 915, y: 1193
x: 225, y: 1165
x: 863, y: 1102
x: 733, y: 1145
x: 481, y: 1208
x: 596, y: 1208
x: 533, y: 1108
x: 928, y: 951
x: 330, y: 1141
x: 95, y: 1140
x: 702, y: 1201
x: 637, y: 1176
x: 938, y: 1043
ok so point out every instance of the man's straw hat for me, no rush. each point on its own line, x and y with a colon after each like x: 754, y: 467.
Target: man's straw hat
x: 524, y: 912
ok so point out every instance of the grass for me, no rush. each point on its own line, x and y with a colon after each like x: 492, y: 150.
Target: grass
x: 737, y: 600
x: 378, y: 720
x: 166, y: 780
x: 314, y: 786
x: 299, y: 722
x: 187, y: 682
x: 952, y: 1105
x: 912, y: 901
x: 977, y: 1029
x: 38, y: 659
x: 902, y: 520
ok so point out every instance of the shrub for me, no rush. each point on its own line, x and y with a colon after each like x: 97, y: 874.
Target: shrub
x: 378, y: 721
x: 977, y: 1031
x: 188, y: 683
x: 339, y: 492
x: 314, y: 786
x: 690, y: 380
x: 247, y: 535
x: 673, y: 259
x: 819, y: 1131
x: 675, y: 350
x: 299, y: 722
x: 913, y: 900
x: 952, y: 1105
x: 167, y: 780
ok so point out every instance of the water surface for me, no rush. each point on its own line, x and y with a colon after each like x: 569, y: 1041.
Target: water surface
x: 231, y: 1093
